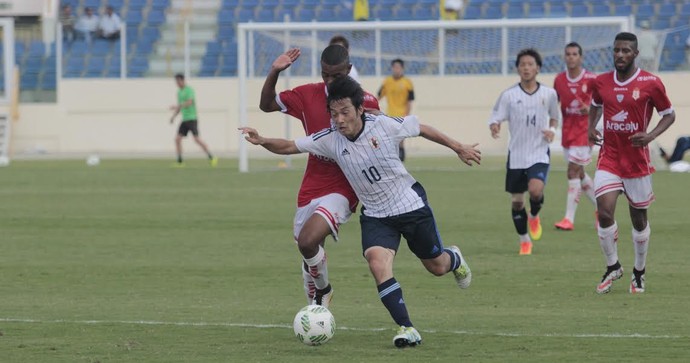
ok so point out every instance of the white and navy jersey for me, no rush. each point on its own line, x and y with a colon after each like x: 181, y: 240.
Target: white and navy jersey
x: 528, y: 115
x: 371, y: 163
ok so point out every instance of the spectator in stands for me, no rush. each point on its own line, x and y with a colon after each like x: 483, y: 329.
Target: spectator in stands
x: 109, y: 26
x: 67, y: 21
x: 360, y: 10
x: 450, y: 9
x: 87, y: 26
x: 341, y: 40
x: 647, y: 42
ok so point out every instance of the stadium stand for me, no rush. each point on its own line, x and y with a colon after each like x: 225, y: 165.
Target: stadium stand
x: 152, y: 29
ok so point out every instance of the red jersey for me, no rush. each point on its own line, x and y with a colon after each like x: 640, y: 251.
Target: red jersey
x: 627, y: 111
x: 574, y: 94
x: 322, y: 176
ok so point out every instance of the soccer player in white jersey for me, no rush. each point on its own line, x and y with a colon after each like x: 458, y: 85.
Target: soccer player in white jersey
x: 394, y: 204
x: 531, y: 110
x: 574, y: 90
x: 627, y: 97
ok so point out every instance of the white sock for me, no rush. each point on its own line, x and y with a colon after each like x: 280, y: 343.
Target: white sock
x: 573, y: 199
x: 309, y: 288
x: 641, y: 243
x: 587, y: 186
x: 318, y: 269
x: 608, y: 240
x: 525, y: 238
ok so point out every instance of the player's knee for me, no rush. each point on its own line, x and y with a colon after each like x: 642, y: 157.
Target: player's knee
x: 308, y: 246
x: 605, y: 217
x: 517, y: 205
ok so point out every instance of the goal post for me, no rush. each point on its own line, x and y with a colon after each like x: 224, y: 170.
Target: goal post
x: 430, y: 48
x: 8, y: 94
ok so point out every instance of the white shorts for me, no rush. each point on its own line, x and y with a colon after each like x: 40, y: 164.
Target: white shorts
x: 638, y: 190
x: 334, y: 208
x: 580, y: 155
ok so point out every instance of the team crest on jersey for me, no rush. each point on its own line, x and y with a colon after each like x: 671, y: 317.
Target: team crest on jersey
x: 584, y: 88
x: 636, y: 94
x: 619, y: 97
x: 374, y: 142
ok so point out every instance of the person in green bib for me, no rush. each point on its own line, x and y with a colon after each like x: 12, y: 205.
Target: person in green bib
x: 186, y: 104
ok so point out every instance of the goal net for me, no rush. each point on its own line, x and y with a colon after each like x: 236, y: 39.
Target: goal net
x: 429, y: 48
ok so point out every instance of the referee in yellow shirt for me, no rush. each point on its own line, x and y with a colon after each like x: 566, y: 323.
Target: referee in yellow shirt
x: 399, y: 93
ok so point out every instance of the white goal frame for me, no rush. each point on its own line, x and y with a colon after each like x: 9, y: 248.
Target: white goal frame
x: 245, y: 46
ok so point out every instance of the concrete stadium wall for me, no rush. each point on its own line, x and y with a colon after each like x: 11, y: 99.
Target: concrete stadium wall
x: 132, y: 117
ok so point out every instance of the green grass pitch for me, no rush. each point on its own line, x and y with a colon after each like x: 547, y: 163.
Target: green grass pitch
x: 133, y: 261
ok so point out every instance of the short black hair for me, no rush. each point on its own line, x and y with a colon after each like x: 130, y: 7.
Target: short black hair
x: 398, y: 60
x: 339, y: 39
x: 574, y: 45
x: 626, y: 36
x: 179, y: 76
x: 346, y: 87
x: 335, y: 55
x: 530, y: 52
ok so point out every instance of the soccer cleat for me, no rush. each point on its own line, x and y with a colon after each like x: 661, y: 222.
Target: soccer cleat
x: 213, y: 162
x: 612, y: 274
x: 637, y: 282
x: 323, y: 297
x: 407, y: 337
x: 564, y: 225
x: 463, y: 274
x: 525, y: 248
x: 534, y: 227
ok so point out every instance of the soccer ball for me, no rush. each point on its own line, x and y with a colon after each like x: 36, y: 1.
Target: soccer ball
x: 314, y: 325
x: 93, y: 160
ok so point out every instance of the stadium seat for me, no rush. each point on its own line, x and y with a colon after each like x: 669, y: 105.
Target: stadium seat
x: 623, y: 10
x: 601, y: 10
x: 558, y: 10
x: 515, y: 10
x: 245, y: 15
x: 645, y: 11
x: 423, y: 13
x: 579, y: 11
x: 536, y: 10
x: 326, y: 14
x: 136, y: 4
x: 667, y: 10
x: 493, y: 12
x: 265, y: 15
x: 403, y: 14
x: 155, y: 17
x: 94, y: 4
x: 661, y: 23
x: 305, y: 14
x: 473, y: 12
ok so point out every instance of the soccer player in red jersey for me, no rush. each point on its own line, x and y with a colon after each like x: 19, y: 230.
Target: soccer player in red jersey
x: 325, y: 199
x: 627, y: 97
x: 575, y: 94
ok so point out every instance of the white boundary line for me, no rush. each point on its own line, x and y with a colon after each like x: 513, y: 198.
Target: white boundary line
x: 284, y: 326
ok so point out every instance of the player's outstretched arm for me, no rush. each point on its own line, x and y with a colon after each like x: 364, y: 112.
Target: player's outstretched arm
x: 268, y: 103
x: 276, y: 146
x: 466, y: 153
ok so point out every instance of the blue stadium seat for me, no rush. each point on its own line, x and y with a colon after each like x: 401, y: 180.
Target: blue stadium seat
x: 515, y: 10
x: 601, y: 10
x: 156, y: 17
x: 78, y: 49
x: 116, y: 4
x: 226, y: 16
x: 28, y: 81
x: 270, y: 4
x: 265, y: 15
x: 645, y: 10
x: 134, y: 17
x: 667, y: 10
x: 493, y: 12
x: 536, y: 11
x: 137, y: 4
x: 579, y: 10
x: 48, y: 81
x: 305, y: 14
x: 473, y: 11
x: 623, y: 10
x: 245, y: 15
x: 37, y: 48
x: 150, y: 34
x: 685, y: 10
x: 326, y: 14
x: 100, y: 47
x: 159, y: 4
x: 94, y: 4
x: 33, y: 65
x: 403, y: 14
x: 661, y: 23
x: 423, y: 13
x: 558, y: 10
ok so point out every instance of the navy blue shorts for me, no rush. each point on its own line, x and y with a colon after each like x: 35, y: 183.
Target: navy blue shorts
x: 518, y: 179
x: 418, y: 227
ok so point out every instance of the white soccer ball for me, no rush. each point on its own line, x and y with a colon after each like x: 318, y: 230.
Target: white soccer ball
x: 93, y: 160
x: 4, y: 161
x: 314, y: 325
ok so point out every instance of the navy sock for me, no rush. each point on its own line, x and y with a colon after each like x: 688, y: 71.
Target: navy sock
x: 454, y: 259
x: 392, y: 298
x: 179, y: 158
x: 520, y: 220
x: 535, y: 206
